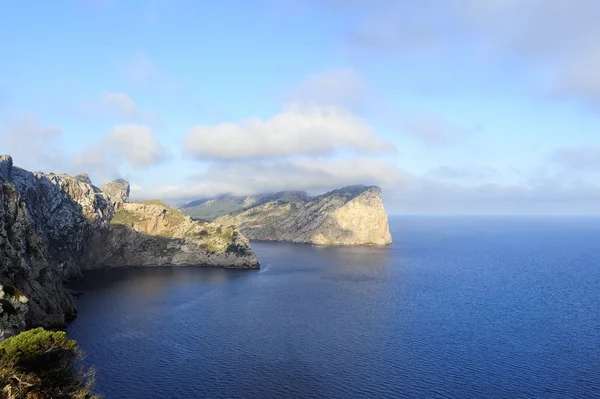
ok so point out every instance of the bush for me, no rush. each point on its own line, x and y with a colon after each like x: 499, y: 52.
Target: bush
x: 43, y: 364
x: 238, y: 249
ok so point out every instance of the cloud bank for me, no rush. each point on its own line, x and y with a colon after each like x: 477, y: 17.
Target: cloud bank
x: 296, y: 130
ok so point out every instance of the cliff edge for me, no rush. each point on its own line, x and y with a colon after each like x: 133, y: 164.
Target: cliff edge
x: 55, y: 226
x: 153, y: 233
x: 352, y: 215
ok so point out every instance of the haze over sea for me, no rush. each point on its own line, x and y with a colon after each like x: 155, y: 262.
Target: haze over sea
x: 457, y: 307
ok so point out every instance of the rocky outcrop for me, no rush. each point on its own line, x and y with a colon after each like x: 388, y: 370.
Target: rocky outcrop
x: 28, y: 230
x: 351, y: 215
x: 152, y: 233
x: 118, y: 191
x: 13, y: 311
x: 55, y: 226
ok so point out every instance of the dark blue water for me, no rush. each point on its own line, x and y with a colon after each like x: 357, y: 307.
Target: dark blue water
x: 455, y: 308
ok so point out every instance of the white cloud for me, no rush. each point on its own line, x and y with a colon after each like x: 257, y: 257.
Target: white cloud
x: 135, y: 145
x: 345, y: 88
x: 551, y: 195
x: 251, y: 177
x: 297, y: 129
x: 552, y: 42
x: 33, y: 145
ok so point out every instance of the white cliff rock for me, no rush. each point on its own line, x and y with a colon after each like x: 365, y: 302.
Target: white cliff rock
x: 351, y: 215
x: 118, y: 191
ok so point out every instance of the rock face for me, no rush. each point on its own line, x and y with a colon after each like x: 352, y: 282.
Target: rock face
x: 54, y: 227
x: 352, y: 215
x: 45, y: 223
x: 152, y: 233
x: 118, y: 191
x: 13, y: 311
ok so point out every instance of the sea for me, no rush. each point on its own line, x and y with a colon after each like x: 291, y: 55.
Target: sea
x: 456, y: 307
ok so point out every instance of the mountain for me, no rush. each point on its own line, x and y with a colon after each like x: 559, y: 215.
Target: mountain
x: 53, y: 227
x: 152, y: 233
x: 212, y: 208
x: 352, y: 215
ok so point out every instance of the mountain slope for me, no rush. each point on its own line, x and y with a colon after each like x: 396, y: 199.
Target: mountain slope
x: 352, y: 215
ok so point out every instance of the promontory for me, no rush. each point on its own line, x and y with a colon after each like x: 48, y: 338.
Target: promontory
x: 352, y: 215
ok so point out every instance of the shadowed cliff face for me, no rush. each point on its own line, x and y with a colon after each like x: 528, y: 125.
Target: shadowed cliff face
x: 43, y: 233
x: 348, y: 216
x: 54, y: 227
x: 153, y: 233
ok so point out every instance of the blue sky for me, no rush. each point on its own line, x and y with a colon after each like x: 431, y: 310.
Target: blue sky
x: 460, y: 106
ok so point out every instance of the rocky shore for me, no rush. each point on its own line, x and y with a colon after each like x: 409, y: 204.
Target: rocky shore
x: 54, y: 227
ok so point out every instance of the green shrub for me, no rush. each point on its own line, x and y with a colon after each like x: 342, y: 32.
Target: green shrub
x: 43, y: 364
x: 202, y: 233
x: 238, y: 249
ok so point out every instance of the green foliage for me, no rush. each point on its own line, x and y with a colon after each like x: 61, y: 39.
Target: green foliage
x: 34, y: 342
x: 124, y: 217
x: 202, y: 233
x: 43, y: 364
x: 154, y: 202
x: 238, y: 249
x: 210, y: 210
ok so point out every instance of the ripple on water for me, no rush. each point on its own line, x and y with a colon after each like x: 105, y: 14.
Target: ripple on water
x: 456, y: 307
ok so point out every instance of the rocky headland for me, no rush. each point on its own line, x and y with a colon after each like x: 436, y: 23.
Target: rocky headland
x: 53, y: 227
x: 352, y: 215
x: 152, y: 233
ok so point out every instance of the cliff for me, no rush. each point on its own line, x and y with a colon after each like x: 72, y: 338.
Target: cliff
x: 55, y: 226
x: 45, y: 223
x: 352, y: 215
x: 153, y: 233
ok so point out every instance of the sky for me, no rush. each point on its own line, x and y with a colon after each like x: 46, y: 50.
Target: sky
x: 450, y: 106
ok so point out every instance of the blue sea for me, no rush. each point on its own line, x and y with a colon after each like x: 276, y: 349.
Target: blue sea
x: 457, y: 307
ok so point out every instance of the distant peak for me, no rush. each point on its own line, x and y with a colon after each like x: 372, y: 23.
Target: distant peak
x: 83, y: 177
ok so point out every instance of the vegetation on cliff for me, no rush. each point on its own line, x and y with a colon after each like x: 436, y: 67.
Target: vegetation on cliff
x: 40, y: 364
x: 151, y: 232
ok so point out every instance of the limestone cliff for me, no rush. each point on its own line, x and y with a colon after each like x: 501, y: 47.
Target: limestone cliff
x: 118, y: 191
x: 153, y: 233
x: 352, y: 215
x: 45, y: 223
x: 13, y: 311
x: 53, y: 227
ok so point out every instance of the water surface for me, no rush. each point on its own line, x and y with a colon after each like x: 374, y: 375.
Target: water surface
x: 455, y: 308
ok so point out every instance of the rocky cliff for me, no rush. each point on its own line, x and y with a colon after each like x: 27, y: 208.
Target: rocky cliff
x: 53, y: 227
x: 118, y: 191
x: 45, y: 222
x: 351, y: 215
x: 153, y: 233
